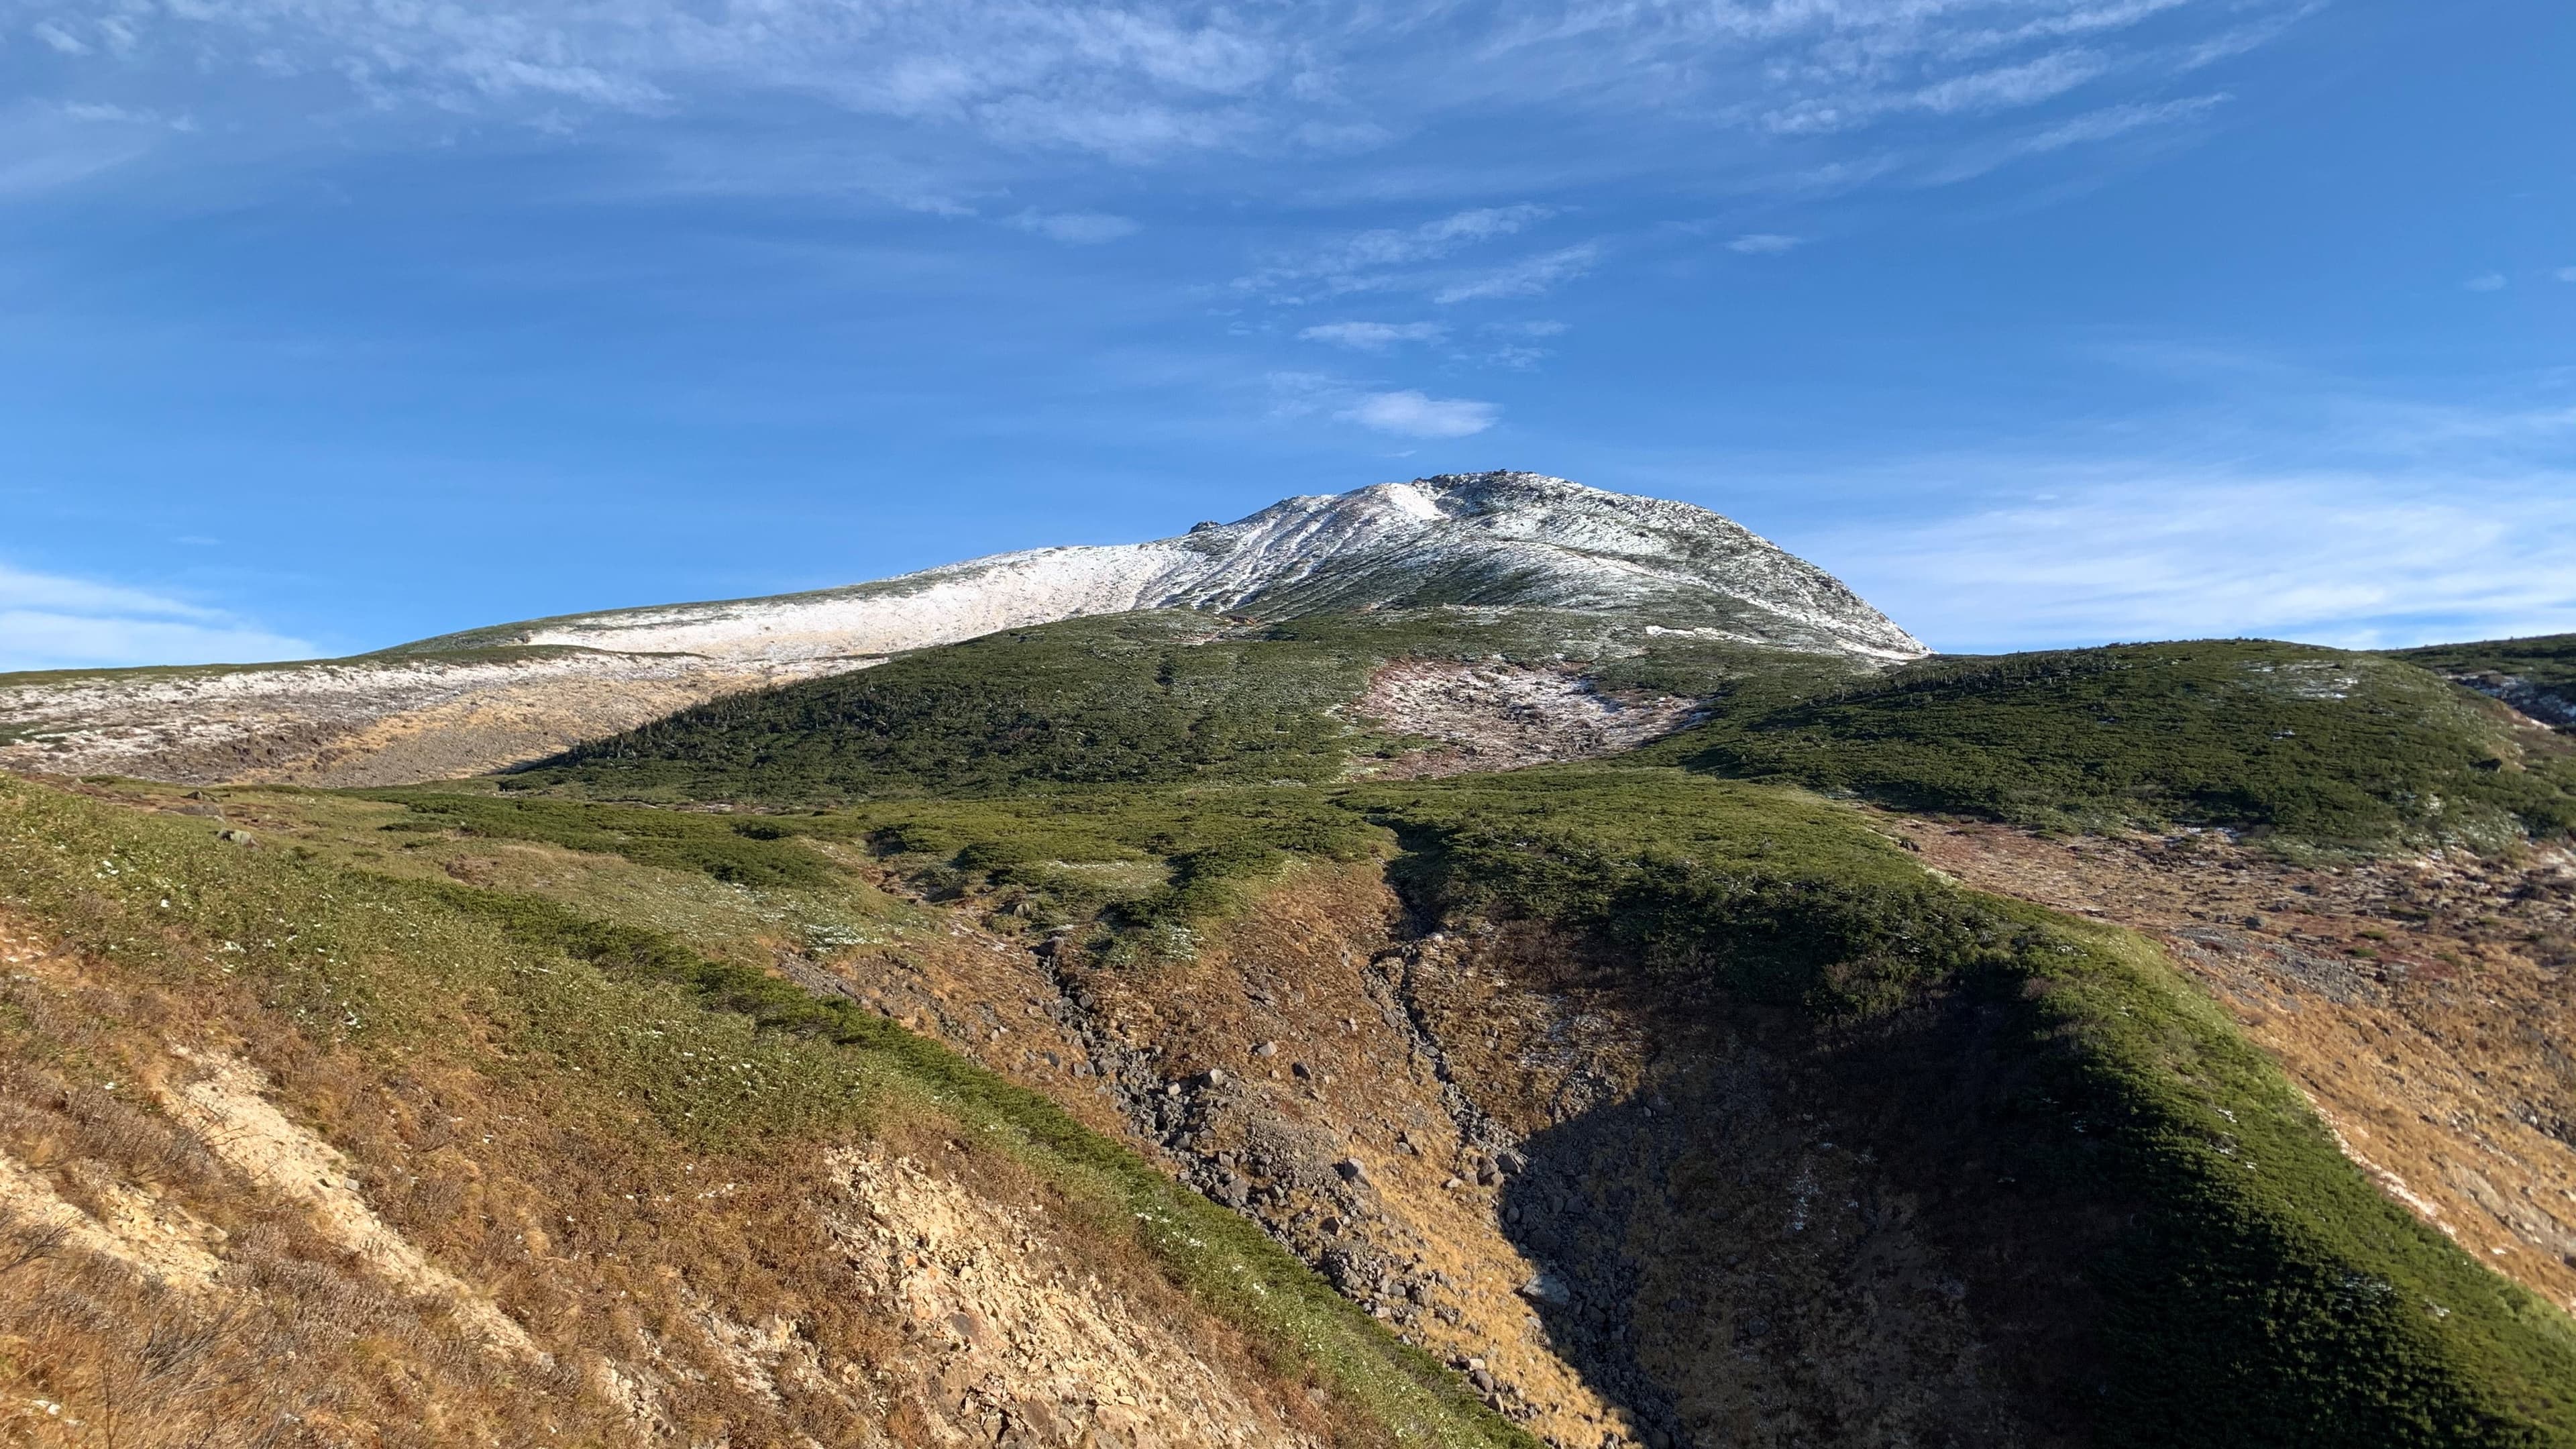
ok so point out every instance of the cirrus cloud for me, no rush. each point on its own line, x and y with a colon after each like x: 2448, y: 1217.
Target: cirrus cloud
x: 1078, y: 228
x: 49, y: 621
x: 1413, y: 414
x: 1373, y: 336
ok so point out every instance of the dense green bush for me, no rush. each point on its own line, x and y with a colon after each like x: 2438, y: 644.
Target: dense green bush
x: 2311, y: 745
x: 1148, y: 698
x: 2544, y: 659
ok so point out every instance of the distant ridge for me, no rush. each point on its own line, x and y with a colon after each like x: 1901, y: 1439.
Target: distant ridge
x: 468, y: 703
x: 1497, y: 538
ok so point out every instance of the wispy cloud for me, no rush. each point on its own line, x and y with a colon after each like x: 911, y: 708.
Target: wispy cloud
x: 48, y: 621
x: 60, y: 39
x: 1080, y: 228
x: 2103, y: 124
x: 1762, y: 243
x: 2566, y: 274
x: 1414, y: 415
x: 2112, y: 121
x: 1528, y: 277
x: 1401, y: 246
x: 2485, y: 282
x: 1388, y: 258
x: 2011, y: 86
x: 2093, y: 553
x: 1404, y: 412
x: 1996, y: 88
x: 1374, y: 336
x: 1137, y: 81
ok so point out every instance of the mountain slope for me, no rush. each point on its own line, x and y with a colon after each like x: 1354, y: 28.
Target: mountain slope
x: 490, y: 698
x: 1484, y: 538
x: 2536, y: 675
x: 2305, y: 745
x: 297, y: 1152
x: 1169, y: 695
x: 1667, y: 1109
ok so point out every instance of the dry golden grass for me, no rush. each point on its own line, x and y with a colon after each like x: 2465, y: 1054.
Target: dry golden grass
x: 669, y: 1294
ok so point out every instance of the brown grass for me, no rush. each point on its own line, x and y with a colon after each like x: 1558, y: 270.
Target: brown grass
x: 637, y: 1268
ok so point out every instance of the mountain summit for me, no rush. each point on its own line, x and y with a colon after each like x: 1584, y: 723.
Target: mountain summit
x: 1493, y: 539
x: 489, y: 698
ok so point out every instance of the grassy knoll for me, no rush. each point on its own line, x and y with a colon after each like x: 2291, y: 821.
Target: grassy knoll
x: 2548, y: 660
x: 1134, y: 699
x: 2310, y: 746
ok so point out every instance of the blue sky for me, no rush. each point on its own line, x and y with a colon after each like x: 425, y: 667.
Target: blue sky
x: 334, y: 323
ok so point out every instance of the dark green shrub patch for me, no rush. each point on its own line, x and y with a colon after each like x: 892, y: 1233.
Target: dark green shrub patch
x: 2312, y: 746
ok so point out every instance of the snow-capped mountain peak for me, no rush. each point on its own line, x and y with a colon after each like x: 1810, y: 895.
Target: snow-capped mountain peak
x: 1479, y: 538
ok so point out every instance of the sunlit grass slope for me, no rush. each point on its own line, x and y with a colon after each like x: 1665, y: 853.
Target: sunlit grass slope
x: 2261, y: 1292
x: 627, y: 1029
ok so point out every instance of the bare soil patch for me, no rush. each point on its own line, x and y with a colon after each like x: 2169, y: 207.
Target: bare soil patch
x: 1502, y: 717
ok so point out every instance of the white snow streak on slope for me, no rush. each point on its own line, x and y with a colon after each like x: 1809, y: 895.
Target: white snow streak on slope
x: 1581, y: 547
x: 1494, y: 539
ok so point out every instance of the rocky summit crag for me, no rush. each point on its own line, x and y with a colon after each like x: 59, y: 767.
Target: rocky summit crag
x: 489, y: 698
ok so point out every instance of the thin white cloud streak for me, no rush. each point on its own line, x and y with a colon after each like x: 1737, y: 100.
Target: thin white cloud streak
x: 48, y: 621
x: 2112, y: 121
x: 1373, y: 336
x: 1077, y: 228
x: 2485, y: 282
x: 2011, y: 86
x: 1762, y: 243
x: 2000, y: 88
x: 2352, y: 559
x: 1135, y: 81
x: 1387, y: 258
x: 1529, y: 277
x: 2107, y: 123
x: 1410, y: 414
x: 1406, y: 412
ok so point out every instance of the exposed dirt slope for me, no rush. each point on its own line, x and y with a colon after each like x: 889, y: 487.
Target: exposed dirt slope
x: 217, y: 1229
x: 2426, y: 1005
x: 355, y: 722
x: 1628, y: 1222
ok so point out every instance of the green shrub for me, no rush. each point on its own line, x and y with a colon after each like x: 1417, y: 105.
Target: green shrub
x: 2548, y: 660
x: 2312, y: 746
x: 1159, y: 697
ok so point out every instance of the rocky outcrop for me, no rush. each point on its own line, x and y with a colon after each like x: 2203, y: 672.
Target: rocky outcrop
x: 2552, y: 705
